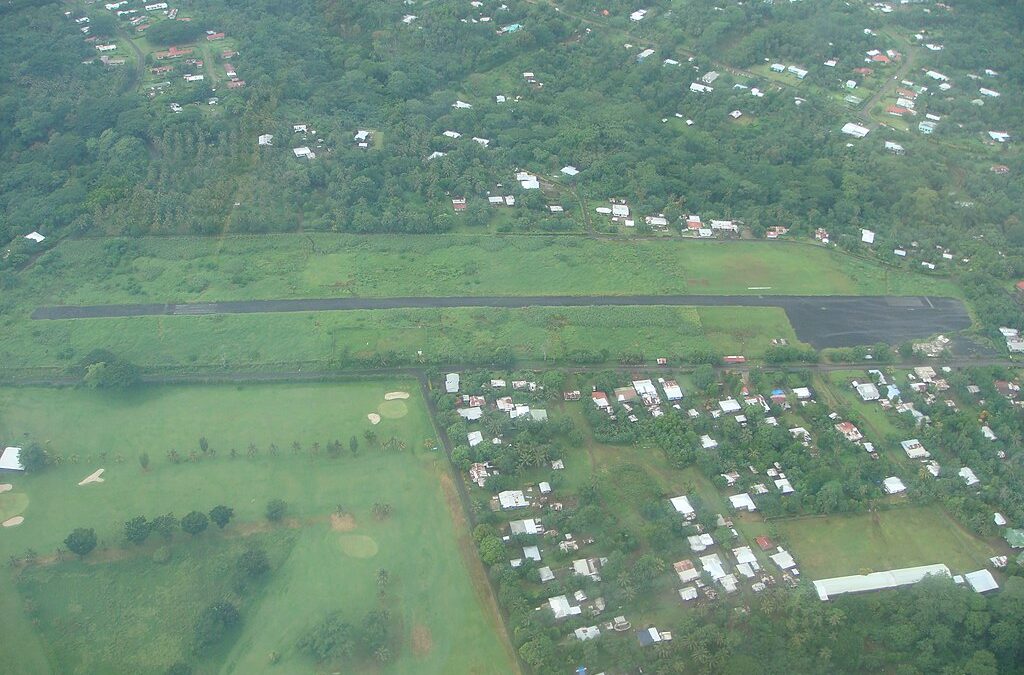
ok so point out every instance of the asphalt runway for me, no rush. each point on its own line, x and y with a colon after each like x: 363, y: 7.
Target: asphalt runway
x: 821, y: 321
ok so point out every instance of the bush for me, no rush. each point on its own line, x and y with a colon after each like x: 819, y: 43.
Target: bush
x: 215, y: 621
x: 276, y: 509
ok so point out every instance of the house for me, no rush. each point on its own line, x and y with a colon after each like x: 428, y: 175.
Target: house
x: 196, y: 78
x: 479, y: 473
x: 729, y: 405
x: 860, y: 583
x: 649, y: 636
x: 526, y: 526
x: 462, y: 105
x: 531, y: 553
x: 701, y: 542
x: 798, y: 71
x: 849, y: 431
x: 707, y: 442
x: 451, y: 383
x: 644, y: 54
x: 459, y: 204
x: 867, y: 236
x: 914, y: 449
x: 10, y: 459
x: 35, y: 236
x: 699, y: 88
x: 672, y: 390
x: 570, y: 170
x: 968, y: 475
x: 586, y: 567
x: 999, y: 136
x: 778, y: 68
x: 742, y: 501
x: 784, y: 486
x: 868, y: 392
x: 682, y: 505
x: 926, y: 128
x: 638, y: 15
x: 686, y: 571
x: 981, y: 581
x: 855, y: 130
x: 802, y: 393
x: 106, y: 48
x: 304, y: 152
x: 600, y: 399
x: 709, y: 77
x: 546, y: 574
x: 561, y: 608
x: 587, y: 633
x: 470, y: 414
x: 211, y: 36
x: 893, y: 485
x: 735, y: 114
x: 1000, y: 169
x: 783, y: 559
x: 172, y: 53
x: 895, y: 148
x: 475, y: 438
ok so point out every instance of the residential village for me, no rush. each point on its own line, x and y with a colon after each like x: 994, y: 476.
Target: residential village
x: 746, y: 454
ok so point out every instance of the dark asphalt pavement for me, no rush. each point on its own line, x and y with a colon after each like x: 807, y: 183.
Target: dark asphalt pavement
x: 821, y: 321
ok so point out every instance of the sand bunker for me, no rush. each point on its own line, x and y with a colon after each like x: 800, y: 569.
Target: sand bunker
x: 93, y: 477
x: 14, y: 522
x: 6, y: 487
x: 396, y: 396
x: 358, y: 546
x: 393, y: 409
x: 374, y: 418
x: 342, y: 522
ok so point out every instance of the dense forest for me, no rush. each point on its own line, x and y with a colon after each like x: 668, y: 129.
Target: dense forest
x: 83, y: 149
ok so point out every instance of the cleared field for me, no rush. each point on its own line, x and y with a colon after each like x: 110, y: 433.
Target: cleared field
x: 841, y: 545
x: 120, y: 611
x: 443, y: 335
x: 184, y: 269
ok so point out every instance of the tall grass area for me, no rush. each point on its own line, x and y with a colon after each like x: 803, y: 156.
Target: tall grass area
x: 392, y: 337
x: 180, y: 269
x: 123, y: 609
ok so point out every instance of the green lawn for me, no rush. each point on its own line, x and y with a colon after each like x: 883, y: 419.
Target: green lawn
x: 904, y: 537
x: 121, y: 612
x: 306, y: 340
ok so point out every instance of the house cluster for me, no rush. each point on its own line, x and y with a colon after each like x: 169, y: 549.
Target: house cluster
x: 1014, y: 341
x: 726, y: 569
x: 471, y: 407
x: 641, y: 393
x: 302, y: 151
x: 797, y: 71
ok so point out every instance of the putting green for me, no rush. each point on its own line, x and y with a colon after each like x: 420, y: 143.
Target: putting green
x: 358, y: 546
x: 12, y: 504
x: 393, y: 409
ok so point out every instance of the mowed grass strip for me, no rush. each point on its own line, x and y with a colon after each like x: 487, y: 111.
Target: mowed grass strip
x: 118, y: 611
x: 293, y: 340
x: 904, y: 537
x: 185, y: 269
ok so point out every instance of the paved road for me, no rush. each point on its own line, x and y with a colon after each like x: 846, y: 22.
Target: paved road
x: 821, y: 321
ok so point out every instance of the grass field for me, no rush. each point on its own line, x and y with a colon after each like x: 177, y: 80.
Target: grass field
x: 119, y: 611
x: 841, y: 545
x: 306, y: 340
x: 179, y: 269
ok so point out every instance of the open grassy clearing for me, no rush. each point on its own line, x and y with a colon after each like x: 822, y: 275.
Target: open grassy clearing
x: 443, y: 335
x: 90, y: 617
x: 904, y: 537
x: 179, y: 269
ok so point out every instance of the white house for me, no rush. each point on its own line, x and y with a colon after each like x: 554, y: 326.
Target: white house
x: 855, y: 130
x: 35, y: 236
x: 682, y: 505
x: 10, y: 460
x: 893, y: 485
x: 304, y: 152
x: 451, y: 383
x: 914, y: 449
x: 266, y: 139
x: 742, y: 501
x: 867, y: 236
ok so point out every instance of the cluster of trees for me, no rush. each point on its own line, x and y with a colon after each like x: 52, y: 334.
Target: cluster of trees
x: 336, y: 639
